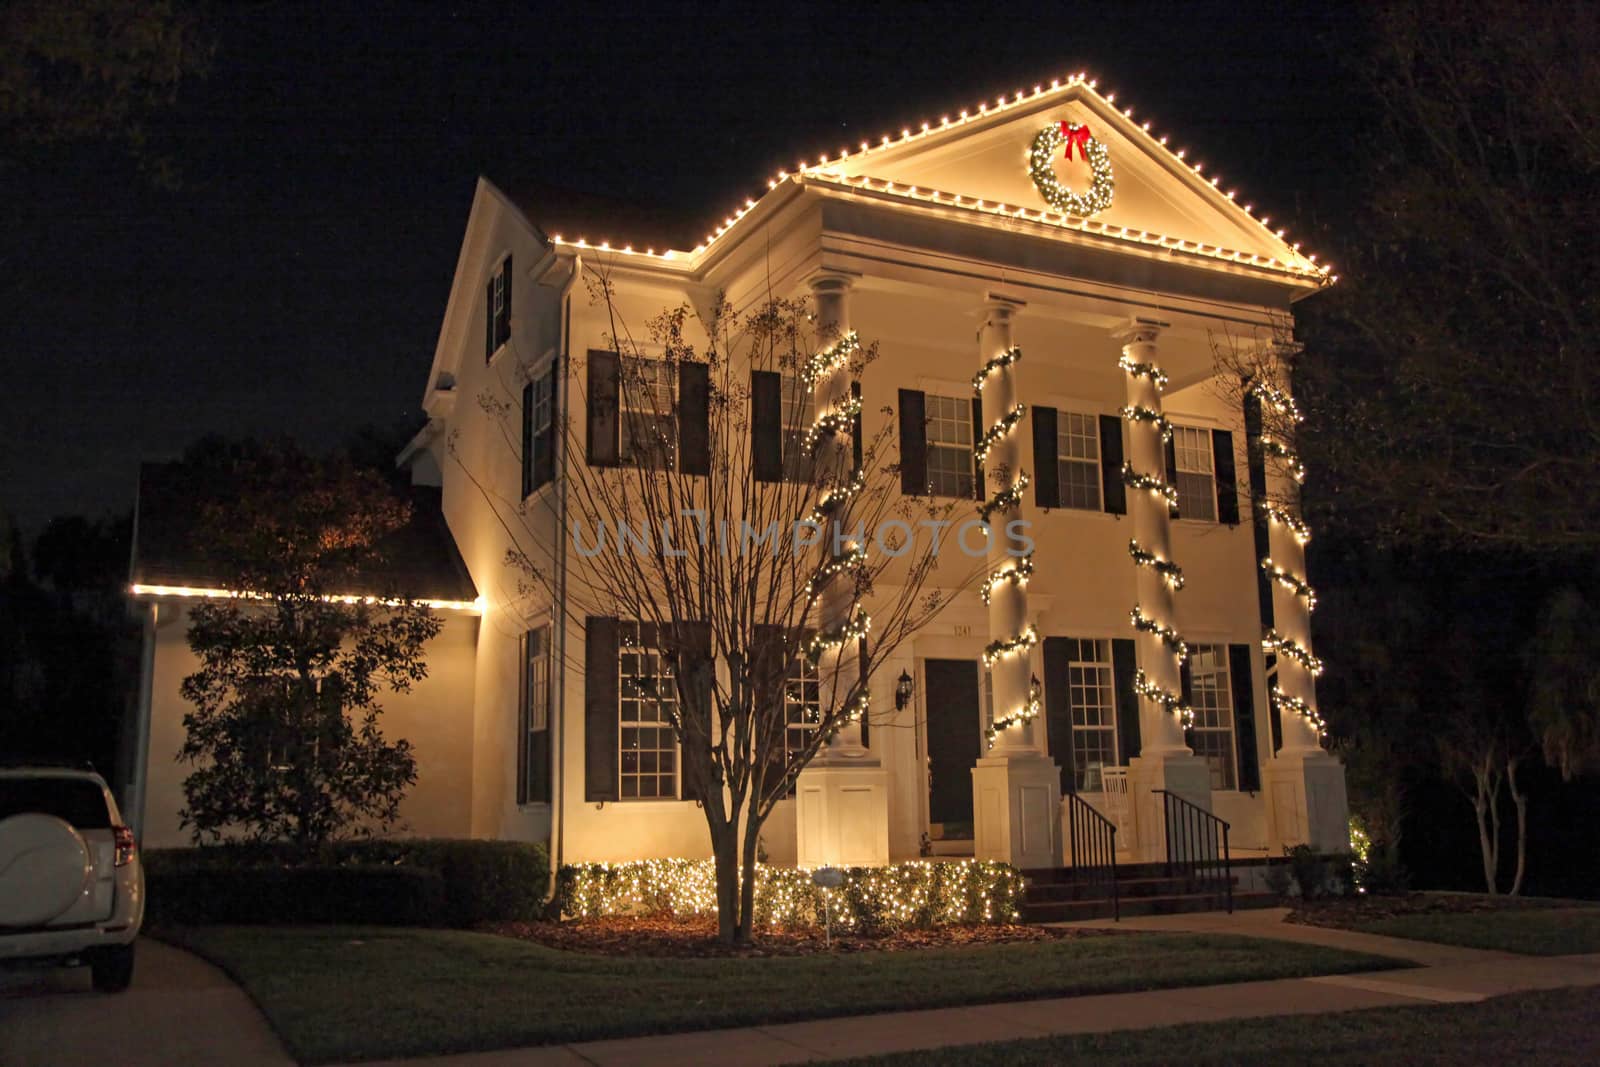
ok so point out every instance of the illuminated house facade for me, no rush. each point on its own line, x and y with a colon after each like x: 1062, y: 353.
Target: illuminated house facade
x: 1158, y: 504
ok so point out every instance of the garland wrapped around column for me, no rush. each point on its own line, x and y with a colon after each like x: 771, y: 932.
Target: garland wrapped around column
x: 1276, y: 448
x: 1146, y: 416
x: 1013, y: 573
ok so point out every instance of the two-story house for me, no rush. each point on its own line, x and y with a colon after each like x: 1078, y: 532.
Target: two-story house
x: 1166, y: 613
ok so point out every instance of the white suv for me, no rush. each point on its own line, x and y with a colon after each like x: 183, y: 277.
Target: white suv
x: 71, y: 886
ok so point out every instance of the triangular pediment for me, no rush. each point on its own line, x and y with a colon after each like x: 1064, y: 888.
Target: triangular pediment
x: 1158, y: 197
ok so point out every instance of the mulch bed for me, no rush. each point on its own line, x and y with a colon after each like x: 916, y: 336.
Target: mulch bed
x: 1341, y: 912
x: 668, y: 937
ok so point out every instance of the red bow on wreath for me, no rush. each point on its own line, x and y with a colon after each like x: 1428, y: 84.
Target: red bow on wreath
x: 1076, y: 135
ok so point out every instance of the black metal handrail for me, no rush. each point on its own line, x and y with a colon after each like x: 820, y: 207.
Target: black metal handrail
x: 1092, y: 839
x: 1193, y: 839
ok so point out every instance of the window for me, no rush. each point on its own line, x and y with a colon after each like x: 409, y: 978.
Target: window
x: 1197, y: 488
x: 292, y: 736
x: 802, y: 705
x: 649, y: 435
x: 950, y: 466
x: 1078, y: 459
x: 1211, y: 697
x: 538, y: 431
x: 796, y: 421
x: 1094, y: 713
x: 533, y: 719
x: 497, y: 329
x: 648, y: 707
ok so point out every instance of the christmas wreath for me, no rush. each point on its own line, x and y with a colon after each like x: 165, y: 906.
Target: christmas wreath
x: 1042, y: 166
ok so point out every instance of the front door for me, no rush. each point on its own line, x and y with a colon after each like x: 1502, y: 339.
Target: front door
x: 954, y: 741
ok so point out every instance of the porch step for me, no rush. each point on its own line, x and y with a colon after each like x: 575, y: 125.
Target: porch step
x: 1076, y: 910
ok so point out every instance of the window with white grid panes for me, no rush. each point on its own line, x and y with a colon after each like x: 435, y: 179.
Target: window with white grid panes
x: 1197, y: 483
x: 802, y: 705
x: 949, y: 435
x: 796, y: 406
x: 1094, y: 712
x: 1211, y: 697
x: 648, y: 435
x: 646, y: 708
x: 1078, y: 460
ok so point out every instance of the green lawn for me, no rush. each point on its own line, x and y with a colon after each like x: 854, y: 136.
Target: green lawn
x: 1549, y: 1029
x: 337, y: 993
x: 1541, y: 932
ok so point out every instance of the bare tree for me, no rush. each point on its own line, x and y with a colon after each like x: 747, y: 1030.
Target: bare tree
x: 721, y: 562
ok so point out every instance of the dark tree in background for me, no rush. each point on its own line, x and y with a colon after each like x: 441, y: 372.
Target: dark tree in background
x: 284, y: 736
x: 1454, y: 435
x: 96, y: 71
x: 1457, y: 390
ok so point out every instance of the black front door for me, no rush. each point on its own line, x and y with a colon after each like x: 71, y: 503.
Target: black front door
x: 953, y: 743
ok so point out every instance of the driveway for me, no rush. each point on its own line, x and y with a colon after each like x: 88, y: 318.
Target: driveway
x: 180, y: 1010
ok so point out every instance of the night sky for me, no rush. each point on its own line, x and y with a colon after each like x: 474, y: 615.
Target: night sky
x: 296, y: 281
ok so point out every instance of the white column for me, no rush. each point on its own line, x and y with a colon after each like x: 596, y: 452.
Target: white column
x: 1016, y: 788
x: 842, y: 796
x: 1306, y: 798
x: 1165, y: 761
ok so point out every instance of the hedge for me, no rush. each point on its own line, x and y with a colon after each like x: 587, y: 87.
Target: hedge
x: 419, y: 882
x: 916, y: 894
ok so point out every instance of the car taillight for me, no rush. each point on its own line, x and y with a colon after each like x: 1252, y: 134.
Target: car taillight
x: 126, y: 849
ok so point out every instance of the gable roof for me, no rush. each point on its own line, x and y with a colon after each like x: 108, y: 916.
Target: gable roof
x: 975, y: 160
x: 418, y: 560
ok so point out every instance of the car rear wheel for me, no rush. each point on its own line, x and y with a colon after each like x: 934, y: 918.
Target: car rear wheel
x: 112, y: 967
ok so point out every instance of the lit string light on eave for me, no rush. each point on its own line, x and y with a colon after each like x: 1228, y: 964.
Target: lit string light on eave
x: 826, y: 167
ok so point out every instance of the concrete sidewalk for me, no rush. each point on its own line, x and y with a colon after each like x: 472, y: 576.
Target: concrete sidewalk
x: 1270, y: 923
x: 1446, y: 975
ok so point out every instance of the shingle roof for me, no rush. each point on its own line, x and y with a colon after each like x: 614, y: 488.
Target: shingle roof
x: 418, y: 560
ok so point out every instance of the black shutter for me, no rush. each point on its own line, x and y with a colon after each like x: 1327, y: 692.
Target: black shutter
x: 527, y: 440
x: 861, y: 663
x: 1124, y: 661
x: 764, y: 663
x: 1171, y: 450
x: 1227, y: 481
x: 1058, y: 703
x: 1116, y: 493
x: 766, y: 425
x: 604, y: 414
x: 913, y: 443
x: 504, y: 333
x: 524, y: 718
x: 488, y: 322
x: 978, y: 480
x: 1275, y: 724
x: 1186, y: 694
x: 1244, y: 717
x: 600, y: 709
x: 544, y: 444
x: 855, y: 430
x: 694, y: 418
x: 1046, y: 468
x: 1257, y: 468
x: 695, y: 656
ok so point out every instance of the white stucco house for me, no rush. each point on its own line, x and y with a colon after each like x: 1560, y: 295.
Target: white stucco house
x: 1115, y: 271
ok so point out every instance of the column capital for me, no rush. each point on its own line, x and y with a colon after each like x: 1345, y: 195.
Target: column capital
x: 831, y: 281
x: 1139, y: 331
x: 1001, y: 306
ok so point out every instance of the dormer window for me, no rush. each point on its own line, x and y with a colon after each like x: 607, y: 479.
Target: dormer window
x: 497, y: 320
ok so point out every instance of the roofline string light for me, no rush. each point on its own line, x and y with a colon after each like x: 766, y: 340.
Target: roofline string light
x: 195, y: 592
x: 985, y: 112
